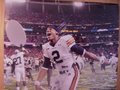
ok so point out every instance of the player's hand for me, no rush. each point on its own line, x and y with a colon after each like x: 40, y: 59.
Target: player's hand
x: 23, y: 49
x: 38, y: 86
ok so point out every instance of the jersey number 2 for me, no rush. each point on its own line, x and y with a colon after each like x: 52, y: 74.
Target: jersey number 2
x: 56, y: 57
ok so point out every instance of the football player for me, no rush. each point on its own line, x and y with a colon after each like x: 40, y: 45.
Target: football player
x: 113, y: 60
x: 19, y: 68
x: 7, y: 68
x: 59, y: 50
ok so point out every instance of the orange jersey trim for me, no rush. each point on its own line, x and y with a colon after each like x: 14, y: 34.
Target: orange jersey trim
x: 70, y: 41
x: 73, y: 84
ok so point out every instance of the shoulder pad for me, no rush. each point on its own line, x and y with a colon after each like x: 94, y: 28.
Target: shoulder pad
x: 66, y: 37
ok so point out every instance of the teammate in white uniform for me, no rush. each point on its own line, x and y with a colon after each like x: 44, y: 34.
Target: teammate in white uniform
x: 113, y: 60
x: 7, y: 68
x: 59, y: 50
x: 104, y: 62
x: 18, y: 61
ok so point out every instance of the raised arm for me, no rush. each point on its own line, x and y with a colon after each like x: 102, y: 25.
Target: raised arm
x: 81, y: 51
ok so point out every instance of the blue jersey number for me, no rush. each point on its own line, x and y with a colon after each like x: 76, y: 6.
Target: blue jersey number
x: 56, y: 57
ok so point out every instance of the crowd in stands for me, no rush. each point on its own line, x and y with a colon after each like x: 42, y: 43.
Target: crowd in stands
x: 84, y: 38
x: 95, y: 16
x: 44, y: 18
x: 95, y: 42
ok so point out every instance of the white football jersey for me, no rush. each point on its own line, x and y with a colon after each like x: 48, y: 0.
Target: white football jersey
x: 113, y: 60
x: 103, y: 58
x: 79, y: 60
x: 7, y: 62
x: 60, y: 52
x: 18, y: 59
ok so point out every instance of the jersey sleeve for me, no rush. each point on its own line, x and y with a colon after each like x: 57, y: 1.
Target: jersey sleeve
x: 47, y: 63
x: 10, y: 61
x: 69, y: 40
x: 78, y: 50
x: 44, y: 49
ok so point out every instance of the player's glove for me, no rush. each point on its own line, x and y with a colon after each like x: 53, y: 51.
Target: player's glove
x: 23, y: 49
x: 38, y: 85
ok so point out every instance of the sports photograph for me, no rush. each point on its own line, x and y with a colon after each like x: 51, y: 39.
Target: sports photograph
x: 60, y: 45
